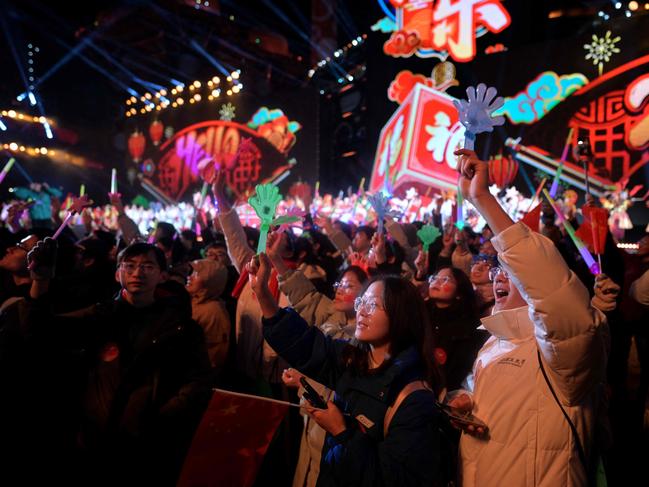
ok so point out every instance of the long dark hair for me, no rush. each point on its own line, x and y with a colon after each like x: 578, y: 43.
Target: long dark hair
x: 466, y: 303
x: 409, y: 326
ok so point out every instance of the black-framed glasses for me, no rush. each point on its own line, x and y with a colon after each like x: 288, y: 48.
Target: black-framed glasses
x: 494, y: 272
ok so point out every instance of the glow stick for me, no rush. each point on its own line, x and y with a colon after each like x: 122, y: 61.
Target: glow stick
x: 536, y: 195
x: 6, y: 169
x: 79, y: 204
x: 564, y: 156
x: 583, y: 250
x: 113, y: 181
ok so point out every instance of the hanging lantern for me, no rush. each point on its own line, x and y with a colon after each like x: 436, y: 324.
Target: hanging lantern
x: 156, y: 129
x: 136, y: 145
x: 502, y: 170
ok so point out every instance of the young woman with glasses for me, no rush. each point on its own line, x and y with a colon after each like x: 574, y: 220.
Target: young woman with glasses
x: 382, y: 425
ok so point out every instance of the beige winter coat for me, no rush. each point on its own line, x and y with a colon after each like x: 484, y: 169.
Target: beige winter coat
x: 530, y: 442
x: 254, y: 356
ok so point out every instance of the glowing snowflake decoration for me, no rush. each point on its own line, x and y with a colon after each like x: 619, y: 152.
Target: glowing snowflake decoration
x: 227, y: 112
x: 601, y: 49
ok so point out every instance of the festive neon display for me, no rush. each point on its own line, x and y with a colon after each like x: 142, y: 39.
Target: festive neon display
x: 275, y: 127
x: 540, y: 96
x: 583, y: 250
x: 601, y: 49
x: 442, y: 78
x: 443, y: 28
x: 416, y: 144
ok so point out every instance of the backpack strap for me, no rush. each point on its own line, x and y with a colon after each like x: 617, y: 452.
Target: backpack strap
x: 408, y: 389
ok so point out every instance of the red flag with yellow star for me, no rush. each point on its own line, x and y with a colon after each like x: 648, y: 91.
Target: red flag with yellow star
x: 231, y: 441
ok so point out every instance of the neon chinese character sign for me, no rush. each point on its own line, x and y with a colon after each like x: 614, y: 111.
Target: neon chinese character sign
x: 446, y: 27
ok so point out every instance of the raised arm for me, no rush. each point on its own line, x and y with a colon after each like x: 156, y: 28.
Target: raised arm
x: 304, y: 347
x: 235, y: 238
x: 570, y: 333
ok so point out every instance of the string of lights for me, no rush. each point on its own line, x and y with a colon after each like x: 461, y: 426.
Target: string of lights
x: 24, y: 117
x: 196, y: 92
x: 338, y: 54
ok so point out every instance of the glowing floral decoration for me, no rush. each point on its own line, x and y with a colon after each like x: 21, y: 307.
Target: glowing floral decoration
x: 601, y: 49
x: 227, y: 112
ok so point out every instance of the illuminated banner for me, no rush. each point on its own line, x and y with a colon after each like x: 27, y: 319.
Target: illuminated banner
x: 177, y: 170
x: 417, y: 143
x: 445, y: 27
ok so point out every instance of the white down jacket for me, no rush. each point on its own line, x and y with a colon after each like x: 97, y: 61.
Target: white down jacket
x: 530, y: 442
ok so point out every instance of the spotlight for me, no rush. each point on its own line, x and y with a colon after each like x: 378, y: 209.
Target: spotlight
x: 618, y: 5
x: 13, y: 146
x: 627, y: 13
x: 197, y: 84
x: 32, y: 98
x: 235, y: 74
x: 216, y: 93
x: 216, y: 80
x: 229, y: 92
x: 197, y: 97
x: 633, y: 6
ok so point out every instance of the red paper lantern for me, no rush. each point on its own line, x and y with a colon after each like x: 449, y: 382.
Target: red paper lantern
x: 136, y: 145
x: 502, y: 170
x: 155, y: 131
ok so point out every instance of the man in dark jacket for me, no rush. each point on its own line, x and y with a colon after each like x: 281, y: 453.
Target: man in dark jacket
x: 137, y: 368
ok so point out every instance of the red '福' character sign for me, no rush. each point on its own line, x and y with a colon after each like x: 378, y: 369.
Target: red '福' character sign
x: 417, y: 143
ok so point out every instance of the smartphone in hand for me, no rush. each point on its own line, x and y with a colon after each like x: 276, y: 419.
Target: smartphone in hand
x: 311, y: 395
x: 463, y: 418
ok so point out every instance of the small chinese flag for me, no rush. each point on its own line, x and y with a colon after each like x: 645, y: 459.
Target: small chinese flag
x: 231, y: 440
x: 594, y: 228
x: 532, y: 218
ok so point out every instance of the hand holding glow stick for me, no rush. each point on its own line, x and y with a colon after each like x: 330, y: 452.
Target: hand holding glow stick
x: 583, y: 250
x: 79, y: 204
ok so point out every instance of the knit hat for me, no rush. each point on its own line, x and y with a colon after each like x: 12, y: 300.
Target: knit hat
x: 213, y: 274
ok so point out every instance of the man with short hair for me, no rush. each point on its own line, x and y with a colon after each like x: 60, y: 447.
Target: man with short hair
x: 140, y: 360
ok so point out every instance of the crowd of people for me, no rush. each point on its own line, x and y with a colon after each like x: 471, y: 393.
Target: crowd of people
x: 112, y: 341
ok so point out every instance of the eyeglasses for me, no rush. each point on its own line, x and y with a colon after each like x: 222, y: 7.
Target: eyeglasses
x: 441, y: 279
x: 130, y: 267
x: 342, y: 286
x: 362, y: 304
x: 22, y: 246
x: 494, y: 272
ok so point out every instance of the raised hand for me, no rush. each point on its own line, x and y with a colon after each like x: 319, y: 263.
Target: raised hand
x: 474, y: 176
x: 378, y: 248
x: 219, y: 186
x: 41, y: 260
x: 258, y: 273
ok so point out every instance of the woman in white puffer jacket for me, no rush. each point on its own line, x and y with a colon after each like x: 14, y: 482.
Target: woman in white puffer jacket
x: 543, y: 322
